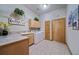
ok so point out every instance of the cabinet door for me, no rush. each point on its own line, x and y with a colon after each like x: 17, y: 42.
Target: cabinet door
x: 22, y: 47
x: 34, y: 24
x: 17, y: 48
x: 47, y: 30
x: 58, y: 30
x: 31, y: 39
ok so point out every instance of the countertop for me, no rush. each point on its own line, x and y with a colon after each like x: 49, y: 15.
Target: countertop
x: 4, y: 40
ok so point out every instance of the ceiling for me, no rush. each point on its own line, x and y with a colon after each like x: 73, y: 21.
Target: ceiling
x: 40, y: 10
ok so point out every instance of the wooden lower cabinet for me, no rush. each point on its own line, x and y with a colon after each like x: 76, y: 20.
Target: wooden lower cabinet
x: 31, y: 39
x: 17, y: 48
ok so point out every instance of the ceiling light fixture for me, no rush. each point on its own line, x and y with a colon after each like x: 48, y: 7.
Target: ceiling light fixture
x: 44, y: 6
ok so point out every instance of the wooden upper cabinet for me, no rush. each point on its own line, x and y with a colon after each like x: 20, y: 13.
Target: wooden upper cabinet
x: 34, y: 24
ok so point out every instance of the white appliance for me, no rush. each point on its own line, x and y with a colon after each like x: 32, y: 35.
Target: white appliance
x: 38, y: 36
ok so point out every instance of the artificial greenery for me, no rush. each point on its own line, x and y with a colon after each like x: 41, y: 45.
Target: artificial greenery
x: 36, y: 19
x: 18, y: 11
x: 4, y: 31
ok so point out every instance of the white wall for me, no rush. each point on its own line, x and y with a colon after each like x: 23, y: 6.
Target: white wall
x: 59, y: 13
x: 6, y: 10
x: 72, y: 35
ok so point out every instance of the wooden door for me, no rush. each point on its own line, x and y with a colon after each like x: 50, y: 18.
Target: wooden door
x: 58, y: 30
x: 47, y: 30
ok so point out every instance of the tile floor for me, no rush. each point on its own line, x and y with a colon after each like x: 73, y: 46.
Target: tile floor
x: 46, y: 47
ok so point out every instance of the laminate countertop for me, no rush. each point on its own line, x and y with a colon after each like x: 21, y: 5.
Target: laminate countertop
x: 4, y: 40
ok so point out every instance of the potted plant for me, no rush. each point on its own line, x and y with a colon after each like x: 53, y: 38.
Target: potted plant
x: 17, y: 14
x: 1, y: 31
x: 36, y: 19
x: 5, y: 30
x: 18, y: 11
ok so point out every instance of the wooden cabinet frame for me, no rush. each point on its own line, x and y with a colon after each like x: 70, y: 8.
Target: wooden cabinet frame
x: 16, y: 48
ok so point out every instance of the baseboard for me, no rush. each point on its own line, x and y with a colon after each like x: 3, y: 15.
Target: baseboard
x: 31, y: 44
x: 49, y: 39
x: 69, y: 49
